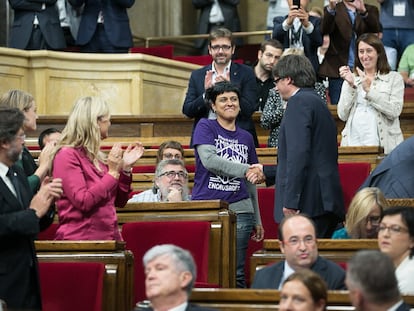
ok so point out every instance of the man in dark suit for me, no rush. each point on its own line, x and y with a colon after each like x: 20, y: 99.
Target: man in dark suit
x: 297, y: 235
x: 20, y: 215
x: 36, y: 26
x: 170, y: 273
x: 216, y: 14
x: 372, y: 284
x: 307, y: 178
x: 104, y: 26
x: 394, y: 175
x: 299, y: 30
x: 221, y: 48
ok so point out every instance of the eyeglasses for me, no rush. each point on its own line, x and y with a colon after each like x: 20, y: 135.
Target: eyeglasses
x: 22, y: 136
x: 217, y: 48
x: 307, y: 240
x: 276, y: 81
x: 172, y: 174
x: 373, y: 220
x: 393, y: 229
x: 170, y: 156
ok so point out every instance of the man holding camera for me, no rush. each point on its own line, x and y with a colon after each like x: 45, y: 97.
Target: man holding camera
x: 299, y: 30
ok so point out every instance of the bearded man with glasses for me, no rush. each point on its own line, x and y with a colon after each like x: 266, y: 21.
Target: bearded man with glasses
x: 297, y: 235
x: 221, y: 48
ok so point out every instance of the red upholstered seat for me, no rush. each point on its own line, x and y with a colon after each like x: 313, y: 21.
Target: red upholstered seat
x: 409, y: 94
x: 49, y: 233
x: 193, y: 236
x: 266, y: 197
x: 352, y: 175
x: 69, y: 286
x: 202, y: 60
x: 166, y: 51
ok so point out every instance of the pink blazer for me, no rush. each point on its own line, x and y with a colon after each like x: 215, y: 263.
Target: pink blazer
x: 86, y: 209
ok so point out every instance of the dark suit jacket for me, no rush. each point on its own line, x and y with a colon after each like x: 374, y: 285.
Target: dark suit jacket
x: 230, y: 14
x: 310, y: 42
x: 242, y: 76
x: 18, y: 263
x: 24, y: 13
x: 307, y: 176
x: 403, y: 307
x: 394, y: 175
x: 116, y: 20
x: 270, y: 277
x: 340, y: 31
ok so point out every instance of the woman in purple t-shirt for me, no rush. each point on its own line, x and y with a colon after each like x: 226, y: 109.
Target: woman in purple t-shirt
x: 225, y: 167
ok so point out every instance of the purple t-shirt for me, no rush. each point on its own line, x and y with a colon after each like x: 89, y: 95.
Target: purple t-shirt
x: 235, y: 146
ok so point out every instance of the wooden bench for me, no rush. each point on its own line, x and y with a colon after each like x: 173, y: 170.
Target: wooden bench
x: 222, y: 257
x: 339, y: 251
x: 119, y: 266
x: 401, y: 202
x: 262, y: 300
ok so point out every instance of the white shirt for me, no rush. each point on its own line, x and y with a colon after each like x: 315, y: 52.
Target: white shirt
x: 3, y: 171
x: 405, y: 276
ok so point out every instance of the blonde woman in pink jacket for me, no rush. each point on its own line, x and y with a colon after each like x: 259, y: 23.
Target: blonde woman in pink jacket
x: 93, y: 183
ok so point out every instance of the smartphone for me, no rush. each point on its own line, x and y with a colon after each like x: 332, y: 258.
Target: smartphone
x: 297, y: 3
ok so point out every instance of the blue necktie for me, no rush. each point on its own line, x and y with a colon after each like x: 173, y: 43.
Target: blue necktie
x: 13, y: 178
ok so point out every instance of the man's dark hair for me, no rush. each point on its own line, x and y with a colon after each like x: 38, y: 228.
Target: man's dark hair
x: 11, y: 122
x: 221, y: 33
x: 298, y: 68
x: 218, y: 89
x: 271, y: 42
x: 373, y: 273
x: 44, y: 134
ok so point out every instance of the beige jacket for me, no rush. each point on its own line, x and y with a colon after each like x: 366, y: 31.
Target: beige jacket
x: 386, y: 96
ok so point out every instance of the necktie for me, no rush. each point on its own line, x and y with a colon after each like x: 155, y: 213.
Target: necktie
x: 13, y: 178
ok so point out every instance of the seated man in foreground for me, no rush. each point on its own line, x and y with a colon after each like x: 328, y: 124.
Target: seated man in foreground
x: 170, y: 184
x: 170, y: 274
x: 297, y: 235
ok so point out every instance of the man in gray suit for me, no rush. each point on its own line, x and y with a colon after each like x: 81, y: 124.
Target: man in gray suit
x: 36, y: 26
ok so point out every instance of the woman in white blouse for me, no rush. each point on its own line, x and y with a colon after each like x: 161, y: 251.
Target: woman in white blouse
x: 371, y: 98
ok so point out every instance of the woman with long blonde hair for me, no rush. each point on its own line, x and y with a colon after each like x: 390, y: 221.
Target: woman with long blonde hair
x: 93, y: 183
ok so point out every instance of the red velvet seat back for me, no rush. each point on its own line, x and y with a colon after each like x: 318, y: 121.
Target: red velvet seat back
x: 266, y: 198
x: 69, y: 286
x: 193, y: 236
x: 352, y: 175
x: 165, y: 51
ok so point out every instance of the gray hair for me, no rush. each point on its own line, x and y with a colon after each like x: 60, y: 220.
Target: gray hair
x: 182, y: 259
x: 373, y: 273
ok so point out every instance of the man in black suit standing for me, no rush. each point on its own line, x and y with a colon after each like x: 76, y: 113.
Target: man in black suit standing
x: 221, y: 48
x: 104, y: 26
x: 215, y: 14
x: 170, y: 274
x: 36, y: 26
x: 297, y: 236
x: 372, y: 284
x: 20, y: 214
x: 307, y: 178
